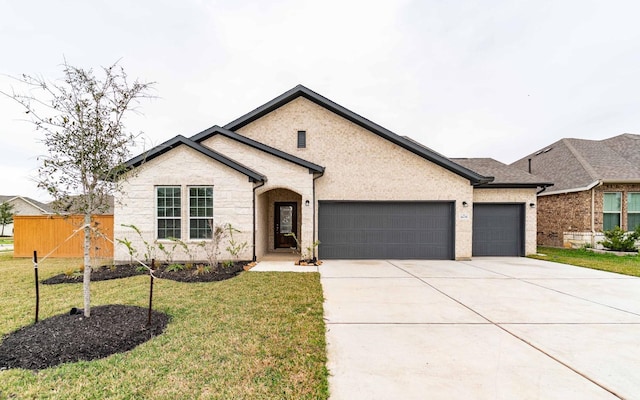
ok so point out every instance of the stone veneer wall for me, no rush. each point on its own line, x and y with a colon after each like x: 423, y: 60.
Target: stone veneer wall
x: 184, y: 167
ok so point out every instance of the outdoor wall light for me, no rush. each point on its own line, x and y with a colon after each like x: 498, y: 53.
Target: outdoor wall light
x: 532, y: 205
x: 306, y: 203
x: 465, y: 204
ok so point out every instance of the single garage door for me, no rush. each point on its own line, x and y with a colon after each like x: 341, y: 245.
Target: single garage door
x: 498, y: 229
x: 386, y: 230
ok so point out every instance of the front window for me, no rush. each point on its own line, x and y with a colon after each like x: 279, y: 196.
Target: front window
x: 200, y: 212
x: 633, y: 211
x: 612, y: 208
x: 168, y: 211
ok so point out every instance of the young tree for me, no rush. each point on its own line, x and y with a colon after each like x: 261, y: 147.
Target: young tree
x: 6, y: 215
x: 82, y: 120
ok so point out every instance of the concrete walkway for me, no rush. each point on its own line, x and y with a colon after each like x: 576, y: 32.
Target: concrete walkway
x: 491, y: 328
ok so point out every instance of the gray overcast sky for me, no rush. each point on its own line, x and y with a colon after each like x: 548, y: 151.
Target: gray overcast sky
x: 467, y: 78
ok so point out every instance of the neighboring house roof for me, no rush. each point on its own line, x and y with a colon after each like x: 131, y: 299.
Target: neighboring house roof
x: 410, y: 145
x: 69, y: 206
x: 505, y: 176
x: 44, y: 208
x: 215, y: 130
x: 181, y: 140
x: 580, y: 164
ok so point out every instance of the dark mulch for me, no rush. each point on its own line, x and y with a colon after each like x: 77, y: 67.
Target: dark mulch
x: 191, y: 275
x: 102, y: 273
x: 66, y: 338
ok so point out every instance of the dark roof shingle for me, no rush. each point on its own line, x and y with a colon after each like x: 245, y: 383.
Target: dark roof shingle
x: 504, y: 175
x: 578, y: 164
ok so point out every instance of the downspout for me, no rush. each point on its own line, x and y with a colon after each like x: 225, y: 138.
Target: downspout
x: 254, y: 218
x: 314, y: 211
x: 593, y: 214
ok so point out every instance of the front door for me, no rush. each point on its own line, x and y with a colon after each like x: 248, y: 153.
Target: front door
x: 285, y: 223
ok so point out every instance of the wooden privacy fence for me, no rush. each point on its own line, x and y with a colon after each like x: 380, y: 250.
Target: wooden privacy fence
x: 46, y: 232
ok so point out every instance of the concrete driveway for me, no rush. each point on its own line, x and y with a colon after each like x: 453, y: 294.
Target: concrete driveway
x: 491, y: 328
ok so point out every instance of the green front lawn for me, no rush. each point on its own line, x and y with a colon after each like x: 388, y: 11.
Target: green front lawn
x: 6, y: 240
x: 256, y: 336
x: 627, y: 265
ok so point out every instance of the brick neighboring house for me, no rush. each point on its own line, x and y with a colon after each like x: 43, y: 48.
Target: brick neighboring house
x: 596, y: 187
x: 303, y: 164
x: 24, y: 206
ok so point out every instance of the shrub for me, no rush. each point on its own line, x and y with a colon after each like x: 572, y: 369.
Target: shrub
x: 202, y: 269
x: 618, y: 240
x: 174, y: 268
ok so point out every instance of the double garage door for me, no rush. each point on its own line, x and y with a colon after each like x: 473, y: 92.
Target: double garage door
x: 386, y: 230
x: 415, y: 230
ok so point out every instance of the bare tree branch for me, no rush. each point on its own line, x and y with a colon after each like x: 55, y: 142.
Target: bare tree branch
x: 82, y: 119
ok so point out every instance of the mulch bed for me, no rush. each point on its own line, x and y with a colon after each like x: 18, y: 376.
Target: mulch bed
x: 191, y: 275
x: 69, y: 337
x: 111, y: 329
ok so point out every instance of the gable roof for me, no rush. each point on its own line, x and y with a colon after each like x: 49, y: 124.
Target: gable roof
x: 580, y: 164
x: 181, y: 140
x: 215, y: 130
x: 301, y: 91
x: 73, y: 204
x: 45, y: 208
x: 505, y: 176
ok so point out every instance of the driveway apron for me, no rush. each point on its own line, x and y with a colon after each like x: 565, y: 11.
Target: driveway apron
x: 491, y: 328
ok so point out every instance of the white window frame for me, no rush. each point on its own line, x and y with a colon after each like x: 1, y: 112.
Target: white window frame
x: 171, y: 217
x: 199, y: 218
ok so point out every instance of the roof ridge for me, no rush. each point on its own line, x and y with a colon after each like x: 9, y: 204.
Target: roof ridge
x: 302, y: 91
x: 209, y: 132
x: 587, y: 167
x: 181, y: 140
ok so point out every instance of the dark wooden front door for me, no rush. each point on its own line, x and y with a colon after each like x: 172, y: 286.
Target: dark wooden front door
x: 285, y: 223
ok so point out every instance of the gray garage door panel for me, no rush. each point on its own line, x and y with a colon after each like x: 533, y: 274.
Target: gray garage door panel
x: 391, y: 230
x: 498, y: 230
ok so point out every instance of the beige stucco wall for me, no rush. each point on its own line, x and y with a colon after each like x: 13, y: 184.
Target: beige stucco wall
x: 184, y: 167
x: 524, y: 196
x: 361, y: 165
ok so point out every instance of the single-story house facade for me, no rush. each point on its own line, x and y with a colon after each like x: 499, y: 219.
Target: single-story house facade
x: 24, y: 206
x: 596, y: 188
x: 302, y: 164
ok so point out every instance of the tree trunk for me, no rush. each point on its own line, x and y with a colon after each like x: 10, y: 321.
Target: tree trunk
x: 2, y: 234
x: 87, y: 266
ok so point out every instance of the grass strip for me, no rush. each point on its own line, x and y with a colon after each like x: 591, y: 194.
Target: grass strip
x: 259, y: 335
x: 627, y: 265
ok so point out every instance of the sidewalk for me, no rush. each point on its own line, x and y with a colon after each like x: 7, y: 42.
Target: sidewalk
x: 6, y: 247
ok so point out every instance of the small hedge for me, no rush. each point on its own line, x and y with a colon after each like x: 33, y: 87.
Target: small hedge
x: 618, y: 240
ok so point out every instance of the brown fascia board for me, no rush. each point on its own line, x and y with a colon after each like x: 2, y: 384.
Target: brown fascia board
x: 181, y: 140
x: 301, y: 91
x: 215, y: 130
